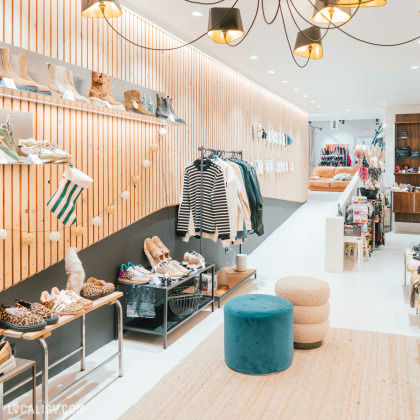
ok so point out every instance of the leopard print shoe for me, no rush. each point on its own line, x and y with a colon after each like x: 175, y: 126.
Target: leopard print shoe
x: 84, y: 302
x: 19, y: 319
x: 94, y: 289
x: 38, y: 309
x: 47, y: 301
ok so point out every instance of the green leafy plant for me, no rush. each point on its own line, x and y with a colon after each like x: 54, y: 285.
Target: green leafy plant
x: 7, y: 141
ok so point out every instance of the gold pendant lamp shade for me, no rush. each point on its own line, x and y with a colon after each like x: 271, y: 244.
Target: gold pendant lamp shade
x: 99, y: 9
x: 362, y: 3
x: 308, y: 43
x: 225, y: 25
x: 329, y: 11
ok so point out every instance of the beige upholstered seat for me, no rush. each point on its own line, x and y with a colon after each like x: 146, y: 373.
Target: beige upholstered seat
x: 311, y: 308
x: 303, y: 291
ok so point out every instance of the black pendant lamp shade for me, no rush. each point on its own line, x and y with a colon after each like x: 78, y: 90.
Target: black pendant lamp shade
x: 99, y: 9
x: 308, y: 43
x: 326, y: 11
x: 225, y: 25
x: 362, y: 3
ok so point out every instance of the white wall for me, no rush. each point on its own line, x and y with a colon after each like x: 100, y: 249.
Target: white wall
x: 346, y: 133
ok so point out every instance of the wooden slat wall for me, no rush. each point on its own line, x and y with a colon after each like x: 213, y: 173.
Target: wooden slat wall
x: 219, y: 105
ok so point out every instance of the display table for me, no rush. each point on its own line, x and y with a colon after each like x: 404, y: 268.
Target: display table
x: 231, y: 279
x: 170, y: 322
x: 40, y: 337
x: 21, y: 366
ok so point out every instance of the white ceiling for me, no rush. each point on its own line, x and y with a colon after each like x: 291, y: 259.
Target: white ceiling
x: 353, y: 80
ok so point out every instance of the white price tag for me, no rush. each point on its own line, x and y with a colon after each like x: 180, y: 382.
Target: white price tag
x: 106, y: 104
x: 33, y: 159
x: 8, y: 83
x: 68, y: 95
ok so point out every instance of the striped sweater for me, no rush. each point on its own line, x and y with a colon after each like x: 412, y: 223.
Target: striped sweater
x: 215, y: 207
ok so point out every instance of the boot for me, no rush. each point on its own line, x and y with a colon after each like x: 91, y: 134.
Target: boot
x: 58, y: 81
x: 24, y: 74
x: 100, y: 92
x: 132, y: 100
x: 7, y: 71
x: 172, y: 111
x: 161, y: 108
x: 76, y: 94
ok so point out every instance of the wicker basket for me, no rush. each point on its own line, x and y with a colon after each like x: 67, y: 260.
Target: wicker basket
x: 184, y: 300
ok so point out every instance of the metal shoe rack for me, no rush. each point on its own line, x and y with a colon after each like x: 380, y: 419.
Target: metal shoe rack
x: 166, y: 323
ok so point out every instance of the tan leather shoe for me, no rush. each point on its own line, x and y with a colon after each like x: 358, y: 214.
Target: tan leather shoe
x: 132, y: 100
x: 153, y: 253
x: 100, y: 91
x: 156, y: 240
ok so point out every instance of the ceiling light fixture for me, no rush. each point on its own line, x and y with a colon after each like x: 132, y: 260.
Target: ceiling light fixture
x: 98, y: 9
x: 312, y: 102
x: 309, y: 43
x: 318, y: 106
x: 383, y: 103
x: 304, y: 96
x: 296, y: 89
x: 196, y: 13
x: 328, y: 11
x: 285, y: 81
x: 271, y: 72
x: 225, y: 25
x: 414, y: 67
x: 254, y: 57
x: 362, y: 3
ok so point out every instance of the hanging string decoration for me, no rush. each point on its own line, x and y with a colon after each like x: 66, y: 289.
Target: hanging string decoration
x: 125, y: 195
x: 63, y: 201
x: 97, y: 221
x: 28, y: 238
x: 78, y: 230
x: 54, y: 236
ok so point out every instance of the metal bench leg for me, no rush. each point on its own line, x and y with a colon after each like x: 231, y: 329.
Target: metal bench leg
x: 44, y: 350
x: 83, y: 344
x: 34, y: 391
x: 120, y: 336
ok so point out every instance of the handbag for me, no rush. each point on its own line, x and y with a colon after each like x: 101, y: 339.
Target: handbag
x: 403, y: 151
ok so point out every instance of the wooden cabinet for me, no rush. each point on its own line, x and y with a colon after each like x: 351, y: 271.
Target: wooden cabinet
x: 403, y: 202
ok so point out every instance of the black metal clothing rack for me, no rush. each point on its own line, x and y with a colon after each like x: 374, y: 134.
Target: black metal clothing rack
x: 219, y: 153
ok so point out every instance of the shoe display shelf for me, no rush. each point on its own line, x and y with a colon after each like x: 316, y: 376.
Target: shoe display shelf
x: 22, y: 365
x: 166, y: 321
x: 229, y: 279
x: 79, y: 106
x: 41, y: 335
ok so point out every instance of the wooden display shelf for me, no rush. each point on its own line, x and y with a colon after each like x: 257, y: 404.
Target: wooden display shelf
x: 79, y: 106
x: 231, y: 280
x: 406, y: 173
x: 407, y: 122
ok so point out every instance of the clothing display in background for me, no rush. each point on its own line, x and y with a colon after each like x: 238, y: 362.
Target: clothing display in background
x: 63, y: 201
x: 335, y: 155
x: 232, y: 202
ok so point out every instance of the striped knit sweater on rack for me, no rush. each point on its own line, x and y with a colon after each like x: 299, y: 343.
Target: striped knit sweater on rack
x: 215, y: 208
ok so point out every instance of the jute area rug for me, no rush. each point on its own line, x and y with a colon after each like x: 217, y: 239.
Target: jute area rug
x: 354, y: 375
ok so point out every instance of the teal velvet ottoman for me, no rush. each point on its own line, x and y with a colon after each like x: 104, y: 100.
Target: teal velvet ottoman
x: 258, y: 334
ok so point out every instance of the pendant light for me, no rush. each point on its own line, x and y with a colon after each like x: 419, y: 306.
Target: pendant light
x: 225, y: 25
x: 98, y: 9
x: 362, y: 3
x: 327, y: 11
x: 309, y: 43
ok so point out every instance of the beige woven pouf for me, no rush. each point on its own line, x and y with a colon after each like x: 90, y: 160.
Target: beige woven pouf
x: 311, y: 309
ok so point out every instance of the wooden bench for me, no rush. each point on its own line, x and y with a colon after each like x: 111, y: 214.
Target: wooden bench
x: 40, y: 337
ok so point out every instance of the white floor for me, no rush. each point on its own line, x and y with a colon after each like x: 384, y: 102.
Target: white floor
x: 371, y: 299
